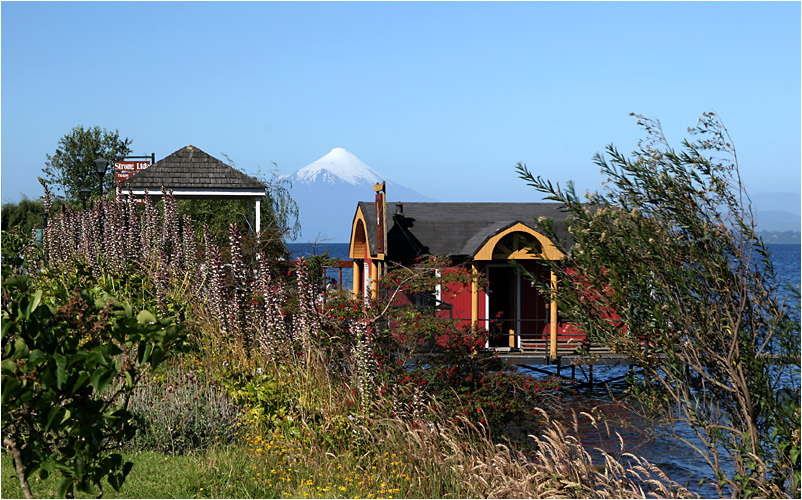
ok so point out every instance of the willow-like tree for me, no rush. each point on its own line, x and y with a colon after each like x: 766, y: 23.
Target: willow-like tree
x: 279, y: 213
x: 667, y: 268
x: 22, y: 217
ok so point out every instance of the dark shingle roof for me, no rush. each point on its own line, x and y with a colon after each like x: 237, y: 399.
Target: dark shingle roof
x: 455, y: 229
x: 191, y: 168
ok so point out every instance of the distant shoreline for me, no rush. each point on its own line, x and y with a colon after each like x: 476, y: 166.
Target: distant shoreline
x: 781, y: 237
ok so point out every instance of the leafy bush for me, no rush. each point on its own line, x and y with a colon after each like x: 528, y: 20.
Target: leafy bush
x: 60, y: 355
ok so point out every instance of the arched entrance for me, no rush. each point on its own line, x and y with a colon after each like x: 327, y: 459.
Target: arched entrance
x: 516, y: 311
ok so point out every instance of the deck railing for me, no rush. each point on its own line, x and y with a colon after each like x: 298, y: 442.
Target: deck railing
x: 530, y: 334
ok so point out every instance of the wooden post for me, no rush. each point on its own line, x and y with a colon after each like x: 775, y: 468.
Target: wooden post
x: 258, y: 216
x: 553, y: 317
x: 474, y: 297
x: 374, y: 279
x: 357, y: 278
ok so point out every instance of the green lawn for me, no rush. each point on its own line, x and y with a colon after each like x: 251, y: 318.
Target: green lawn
x: 246, y: 471
x: 154, y: 475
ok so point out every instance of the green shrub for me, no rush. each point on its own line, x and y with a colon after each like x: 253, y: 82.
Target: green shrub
x: 60, y: 362
x: 181, y: 411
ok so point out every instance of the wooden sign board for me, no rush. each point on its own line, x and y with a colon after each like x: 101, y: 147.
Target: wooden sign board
x: 125, y: 169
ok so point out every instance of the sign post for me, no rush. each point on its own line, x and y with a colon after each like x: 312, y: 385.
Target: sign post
x: 130, y: 165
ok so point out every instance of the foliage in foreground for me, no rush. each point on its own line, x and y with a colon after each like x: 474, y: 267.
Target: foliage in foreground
x: 667, y: 268
x: 326, y: 385
x: 70, y: 363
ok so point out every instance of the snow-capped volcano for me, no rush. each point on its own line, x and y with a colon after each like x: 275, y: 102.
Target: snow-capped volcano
x: 339, y: 164
x: 328, y: 189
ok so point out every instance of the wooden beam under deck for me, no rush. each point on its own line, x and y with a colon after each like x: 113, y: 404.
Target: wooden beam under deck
x: 595, y: 356
x: 542, y: 357
x: 565, y: 357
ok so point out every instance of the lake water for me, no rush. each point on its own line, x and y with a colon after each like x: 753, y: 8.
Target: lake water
x: 335, y: 251
x: 654, y: 444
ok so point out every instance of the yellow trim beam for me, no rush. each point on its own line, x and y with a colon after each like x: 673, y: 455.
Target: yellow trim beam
x: 357, y: 277
x: 549, y: 252
x: 374, y: 279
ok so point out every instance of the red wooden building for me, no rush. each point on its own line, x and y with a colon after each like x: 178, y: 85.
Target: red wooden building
x: 483, y: 237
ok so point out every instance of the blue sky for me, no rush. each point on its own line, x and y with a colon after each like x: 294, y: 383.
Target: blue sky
x: 444, y: 98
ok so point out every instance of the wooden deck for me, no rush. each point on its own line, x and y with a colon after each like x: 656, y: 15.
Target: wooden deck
x: 572, y: 368
x: 536, y: 358
x: 580, y: 366
x: 536, y: 352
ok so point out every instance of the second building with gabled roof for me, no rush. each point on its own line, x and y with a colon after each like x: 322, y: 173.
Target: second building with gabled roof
x: 485, y: 237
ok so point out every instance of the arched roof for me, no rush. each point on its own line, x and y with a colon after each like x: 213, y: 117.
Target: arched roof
x: 488, y: 249
x: 360, y: 238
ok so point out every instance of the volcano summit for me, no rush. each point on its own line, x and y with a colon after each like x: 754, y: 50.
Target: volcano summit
x: 328, y: 189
